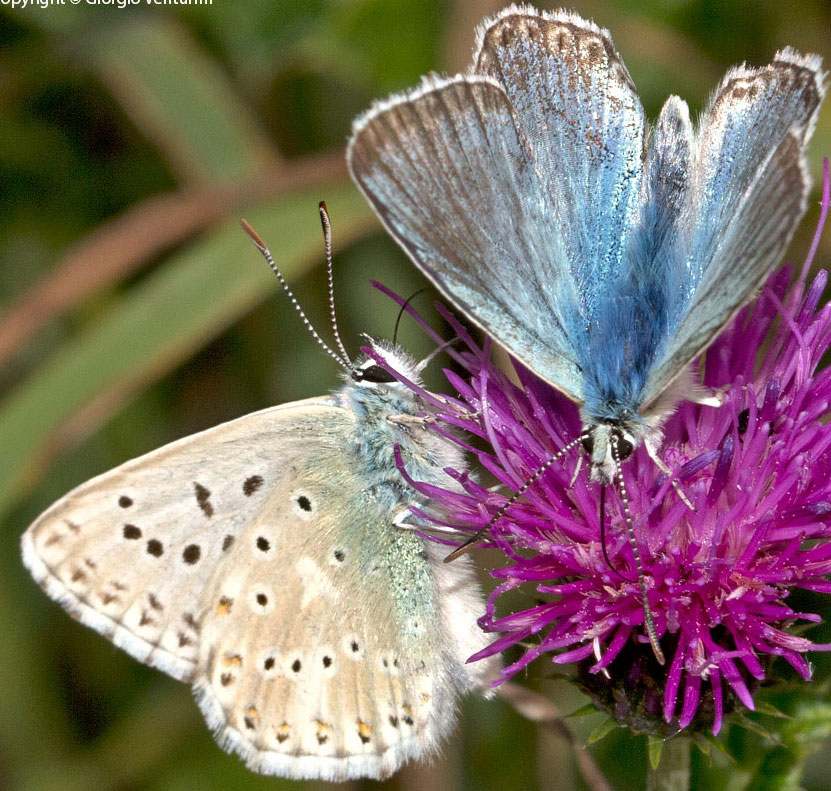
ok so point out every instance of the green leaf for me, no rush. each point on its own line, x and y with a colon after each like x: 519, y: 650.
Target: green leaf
x: 745, y: 721
x: 603, y: 730
x: 589, y: 708
x: 763, y: 707
x: 181, y: 100
x: 654, y: 749
x: 707, y: 744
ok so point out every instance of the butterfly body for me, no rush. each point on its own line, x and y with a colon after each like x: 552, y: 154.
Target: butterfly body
x: 259, y: 561
x: 603, y: 254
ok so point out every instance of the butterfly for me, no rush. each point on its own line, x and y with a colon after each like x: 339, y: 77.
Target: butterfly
x: 266, y: 562
x: 603, y: 253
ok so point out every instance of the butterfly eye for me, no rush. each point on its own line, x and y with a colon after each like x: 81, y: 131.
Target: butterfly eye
x: 624, y: 446
x: 374, y: 373
x: 588, y: 444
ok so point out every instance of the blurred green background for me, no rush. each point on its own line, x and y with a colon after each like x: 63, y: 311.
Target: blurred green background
x: 134, y: 311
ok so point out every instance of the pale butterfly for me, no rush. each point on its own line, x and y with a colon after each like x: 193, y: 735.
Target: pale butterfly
x: 268, y: 562
x: 601, y: 252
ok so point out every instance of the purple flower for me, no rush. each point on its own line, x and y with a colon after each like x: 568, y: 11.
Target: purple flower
x: 757, y: 470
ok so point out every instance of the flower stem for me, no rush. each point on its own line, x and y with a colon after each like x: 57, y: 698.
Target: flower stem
x: 538, y: 708
x: 673, y: 771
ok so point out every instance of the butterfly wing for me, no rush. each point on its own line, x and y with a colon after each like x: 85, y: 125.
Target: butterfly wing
x: 585, y: 125
x: 513, y: 187
x: 328, y: 659
x: 747, y: 190
x: 450, y: 173
x: 253, y: 561
x: 129, y: 552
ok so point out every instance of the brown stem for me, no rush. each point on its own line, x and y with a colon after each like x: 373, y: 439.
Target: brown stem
x: 540, y: 709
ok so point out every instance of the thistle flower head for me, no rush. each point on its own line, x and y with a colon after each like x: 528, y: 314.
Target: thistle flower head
x: 757, y: 470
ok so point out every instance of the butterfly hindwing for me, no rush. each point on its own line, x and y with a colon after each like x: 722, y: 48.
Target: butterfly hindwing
x: 296, y: 691
x: 585, y: 125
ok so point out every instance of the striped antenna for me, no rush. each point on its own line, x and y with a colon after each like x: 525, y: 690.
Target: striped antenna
x: 467, y: 546
x: 648, y: 619
x: 261, y: 246
x: 327, y: 241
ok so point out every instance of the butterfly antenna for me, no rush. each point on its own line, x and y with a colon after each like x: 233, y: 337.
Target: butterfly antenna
x: 401, y: 313
x: 603, y: 547
x: 261, y: 246
x: 327, y: 242
x: 648, y: 619
x: 467, y: 545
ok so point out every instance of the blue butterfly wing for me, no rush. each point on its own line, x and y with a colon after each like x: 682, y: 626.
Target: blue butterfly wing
x: 747, y: 191
x: 450, y: 173
x: 585, y: 125
x: 635, y: 313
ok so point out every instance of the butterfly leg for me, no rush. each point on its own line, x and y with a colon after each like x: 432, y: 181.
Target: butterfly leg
x: 411, y: 421
x: 714, y: 398
x: 400, y: 521
x: 676, y: 484
x: 577, y: 468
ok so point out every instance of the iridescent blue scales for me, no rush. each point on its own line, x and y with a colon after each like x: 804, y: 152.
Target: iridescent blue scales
x: 602, y: 253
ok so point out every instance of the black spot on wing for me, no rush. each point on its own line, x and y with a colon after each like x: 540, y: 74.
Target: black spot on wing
x: 252, y: 484
x: 203, y: 499
x: 191, y: 554
x: 191, y: 621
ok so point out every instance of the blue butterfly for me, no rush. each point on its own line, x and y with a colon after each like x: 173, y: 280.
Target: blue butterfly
x: 603, y: 253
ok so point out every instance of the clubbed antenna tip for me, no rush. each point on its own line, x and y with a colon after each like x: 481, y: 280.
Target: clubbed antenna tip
x: 255, y: 237
x: 344, y: 361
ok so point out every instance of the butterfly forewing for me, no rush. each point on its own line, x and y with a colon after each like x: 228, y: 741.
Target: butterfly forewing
x: 747, y: 190
x: 451, y: 175
x: 129, y: 553
x: 584, y: 121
